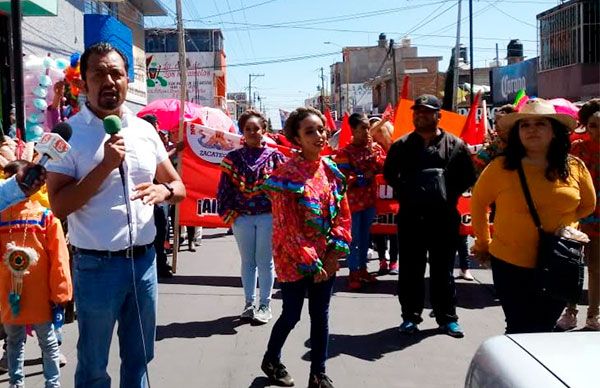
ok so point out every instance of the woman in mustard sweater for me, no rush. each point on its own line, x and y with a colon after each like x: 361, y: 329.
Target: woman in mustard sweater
x: 563, y: 192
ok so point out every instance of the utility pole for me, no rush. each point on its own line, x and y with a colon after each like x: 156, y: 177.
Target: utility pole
x: 497, y: 56
x: 392, y: 51
x: 183, y: 84
x: 471, y: 71
x: 322, y: 91
x: 347, y: 60
x: 250, y: 76
x: 17, y: 42
x: 456, y: 58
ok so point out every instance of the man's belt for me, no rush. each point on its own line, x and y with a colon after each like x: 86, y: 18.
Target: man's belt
x: 136, y: 251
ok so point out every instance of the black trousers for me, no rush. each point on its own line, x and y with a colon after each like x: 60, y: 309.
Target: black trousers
x: 160, y: 221
x: 525, y: 310
x: 431, y: 238
x: 380, y: 242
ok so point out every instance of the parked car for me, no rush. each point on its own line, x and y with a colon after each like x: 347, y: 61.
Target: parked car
x: 544, y: 360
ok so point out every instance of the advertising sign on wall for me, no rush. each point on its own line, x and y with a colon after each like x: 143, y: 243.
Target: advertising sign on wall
x: 506, y: 81
x: 163, y: 77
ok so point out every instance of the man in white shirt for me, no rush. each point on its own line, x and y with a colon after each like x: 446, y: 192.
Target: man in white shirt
x: 111, y: 225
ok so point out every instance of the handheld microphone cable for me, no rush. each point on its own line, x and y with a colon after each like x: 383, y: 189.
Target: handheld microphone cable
x: 112, y: 126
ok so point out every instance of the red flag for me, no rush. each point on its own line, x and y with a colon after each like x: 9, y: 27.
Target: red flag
x: 404, y: 91
x: 346, y: 132
x: 330, y: 123
x: 388, y: 113
x: 470, y: 133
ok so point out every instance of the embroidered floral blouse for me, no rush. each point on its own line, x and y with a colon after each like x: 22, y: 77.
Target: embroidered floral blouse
x: 244, y: 171
x: 310, y: 216
x: 360, y: 165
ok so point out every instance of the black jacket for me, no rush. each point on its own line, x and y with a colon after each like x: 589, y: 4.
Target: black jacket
x: 409, y: 155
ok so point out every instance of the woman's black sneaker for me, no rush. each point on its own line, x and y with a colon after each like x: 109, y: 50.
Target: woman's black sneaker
x: 320, y: 380
x: 277, y: 373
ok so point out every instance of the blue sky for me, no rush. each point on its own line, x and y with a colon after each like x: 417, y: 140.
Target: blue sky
x: 250, y: 34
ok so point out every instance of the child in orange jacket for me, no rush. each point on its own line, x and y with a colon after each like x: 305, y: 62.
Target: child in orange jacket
x: 34, y: 277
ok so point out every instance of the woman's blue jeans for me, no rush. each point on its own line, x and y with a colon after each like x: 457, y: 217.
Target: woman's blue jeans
x: 253, y: 234
x: 292, y: 294
x: 361, y: 238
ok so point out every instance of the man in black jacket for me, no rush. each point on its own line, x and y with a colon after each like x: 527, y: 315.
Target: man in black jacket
x: 429, y: 169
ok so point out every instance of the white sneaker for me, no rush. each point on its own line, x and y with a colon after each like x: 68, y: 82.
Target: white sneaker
x: 568, y: 320
x: 370, y: 254
x: 4, y: 363
x: 248, y: 312
x: 466, y: 274
x: 592, y: 324
x: 198, y: 236
x: 263, y: 314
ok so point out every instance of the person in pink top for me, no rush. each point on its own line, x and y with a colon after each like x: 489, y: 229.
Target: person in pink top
x: 311, y: 232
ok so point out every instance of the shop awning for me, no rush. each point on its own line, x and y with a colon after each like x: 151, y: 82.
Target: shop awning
x: 33, y: 7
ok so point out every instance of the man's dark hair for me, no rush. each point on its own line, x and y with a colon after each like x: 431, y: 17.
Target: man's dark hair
x: 557, y: 156
x: 152, y: 119
x: 355, y: 119
x: 588, y: 109
x: 292, y: 124
x: 247, y: 115
x: 100, y: 48
x: 12, y: 168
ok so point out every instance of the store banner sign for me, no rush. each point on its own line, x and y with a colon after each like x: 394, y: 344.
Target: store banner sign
x: 506, y: 81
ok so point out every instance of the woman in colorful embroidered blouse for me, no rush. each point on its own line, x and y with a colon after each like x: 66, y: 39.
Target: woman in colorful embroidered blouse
x: 311, y: 232
x: 360, y: 161
x: 244, y: 204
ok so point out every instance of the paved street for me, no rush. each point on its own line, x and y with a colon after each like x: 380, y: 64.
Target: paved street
x: 201, y: 343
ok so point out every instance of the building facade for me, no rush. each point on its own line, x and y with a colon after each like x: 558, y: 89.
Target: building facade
x: 205, y: 63
x: 569, y: 43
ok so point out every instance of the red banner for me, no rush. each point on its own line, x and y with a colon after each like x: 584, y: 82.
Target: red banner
x: 206, y: 147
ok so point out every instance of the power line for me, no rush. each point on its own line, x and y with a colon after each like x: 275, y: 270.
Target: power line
x: 243, y: 8
x: 512, y: 17
x: 428, y: 19
x: 247, y: 29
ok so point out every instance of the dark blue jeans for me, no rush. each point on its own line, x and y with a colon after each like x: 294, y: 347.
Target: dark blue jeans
x: 292, y: 294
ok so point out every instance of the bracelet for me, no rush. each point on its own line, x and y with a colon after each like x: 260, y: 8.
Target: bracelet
x: 171, y: 191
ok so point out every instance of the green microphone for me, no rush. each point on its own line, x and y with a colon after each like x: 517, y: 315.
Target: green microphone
x: 112, y: 124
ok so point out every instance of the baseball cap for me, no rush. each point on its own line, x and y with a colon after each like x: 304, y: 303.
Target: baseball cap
x: 427, y: 101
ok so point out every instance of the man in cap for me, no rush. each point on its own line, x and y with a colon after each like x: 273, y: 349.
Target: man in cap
x: 429, y: 169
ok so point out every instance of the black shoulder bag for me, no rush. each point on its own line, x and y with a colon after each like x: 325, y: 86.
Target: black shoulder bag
x: 559, y: 270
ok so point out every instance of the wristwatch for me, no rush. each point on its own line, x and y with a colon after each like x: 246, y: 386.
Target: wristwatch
x: 170, y: 188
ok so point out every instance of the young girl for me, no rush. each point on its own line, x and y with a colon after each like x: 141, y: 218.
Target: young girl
x: 360, y: 161
x: 34, y: 276
x: 311, y: 232
x: 245, y: 206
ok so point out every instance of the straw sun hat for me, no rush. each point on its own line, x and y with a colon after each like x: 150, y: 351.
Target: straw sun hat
x: 538, y: 108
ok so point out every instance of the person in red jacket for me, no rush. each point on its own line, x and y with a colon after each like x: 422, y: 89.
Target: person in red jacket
x: 35, y: 278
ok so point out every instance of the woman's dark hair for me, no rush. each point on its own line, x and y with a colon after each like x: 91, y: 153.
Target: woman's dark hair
x: 557, y: 156
x: 101, y: 48
x: 247, y: 115
x: 355, y: 119
x: 588, y: 109
x: 292, y: 124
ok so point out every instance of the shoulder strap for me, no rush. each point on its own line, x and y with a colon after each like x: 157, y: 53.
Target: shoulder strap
x: 527, y: 193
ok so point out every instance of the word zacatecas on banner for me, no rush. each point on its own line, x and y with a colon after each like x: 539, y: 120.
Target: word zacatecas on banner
x: 206, y: 148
